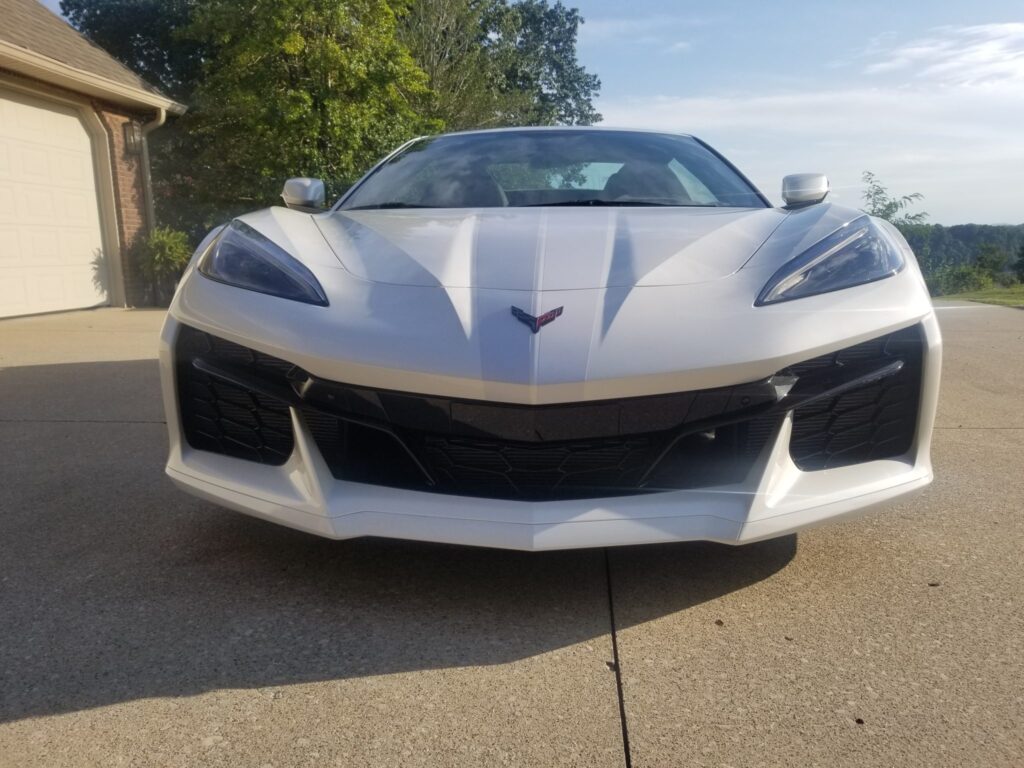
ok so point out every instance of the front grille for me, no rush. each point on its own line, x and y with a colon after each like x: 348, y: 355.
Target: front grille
x: 877, y: 421
x: 538, y: 468
x: 237, y: 402
x: 542, y: 452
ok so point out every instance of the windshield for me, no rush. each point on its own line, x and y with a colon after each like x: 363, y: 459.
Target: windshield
x: 549, y: 168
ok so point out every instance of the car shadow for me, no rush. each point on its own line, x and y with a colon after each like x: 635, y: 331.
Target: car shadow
x: 114, y: 586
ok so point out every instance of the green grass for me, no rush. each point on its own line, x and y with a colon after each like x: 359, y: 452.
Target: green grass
x: 1004, y: 297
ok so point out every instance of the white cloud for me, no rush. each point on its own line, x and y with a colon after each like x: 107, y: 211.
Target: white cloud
x: 973, y: 55
x: 681, y: 46
x: 960, y: 146
x: 941, y: 115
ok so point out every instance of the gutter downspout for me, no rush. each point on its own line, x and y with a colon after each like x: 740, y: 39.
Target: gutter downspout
x: 147, y: 181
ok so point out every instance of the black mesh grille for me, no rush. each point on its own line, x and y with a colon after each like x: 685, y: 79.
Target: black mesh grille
x: 236, y: 401
x: 565, y: 469
x: 448, y: 458
x: 223, y: 417
x: 877, y: 421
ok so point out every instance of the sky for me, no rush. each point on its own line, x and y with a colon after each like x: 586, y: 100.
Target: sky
x: 928, y: 95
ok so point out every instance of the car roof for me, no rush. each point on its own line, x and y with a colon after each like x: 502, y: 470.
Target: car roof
x: 559, y: 128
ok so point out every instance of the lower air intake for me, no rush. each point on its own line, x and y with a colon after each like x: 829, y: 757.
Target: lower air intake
x: 238, y: 402
x: 226, y: 417
x: 877, y: 421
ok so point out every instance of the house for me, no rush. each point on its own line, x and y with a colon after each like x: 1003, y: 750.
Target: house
x: 74, y: 174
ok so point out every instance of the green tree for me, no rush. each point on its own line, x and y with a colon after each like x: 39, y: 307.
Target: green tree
x: 325, y: 87
x: 494, y: 63
x: 939, y: 246
x: 291, y: 88
x: 534, y: 45
x: 488, y: 62
x: 1018, y: 265
x: 447, y: 39
x: 145, y: 35
x: 958, y: 278
x: 991, y: 259
x: 878, y: 202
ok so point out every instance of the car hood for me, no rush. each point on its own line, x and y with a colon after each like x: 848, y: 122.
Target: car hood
x: 655, y: 336
x: 546, y: 249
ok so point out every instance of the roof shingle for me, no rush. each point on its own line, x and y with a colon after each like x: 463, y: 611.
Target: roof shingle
x: 29, y: 25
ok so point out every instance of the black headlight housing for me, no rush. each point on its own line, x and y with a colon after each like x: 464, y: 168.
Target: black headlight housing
x: 247, y: 259
x: 857, y: 253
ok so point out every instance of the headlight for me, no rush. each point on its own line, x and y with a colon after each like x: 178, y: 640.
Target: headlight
x: 856, y: 253
x: 243, y: 257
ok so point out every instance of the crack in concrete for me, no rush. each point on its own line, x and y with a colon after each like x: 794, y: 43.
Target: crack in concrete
x: 616, y: 664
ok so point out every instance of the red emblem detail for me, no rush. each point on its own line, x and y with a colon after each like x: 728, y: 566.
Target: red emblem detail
x: 536, y: 323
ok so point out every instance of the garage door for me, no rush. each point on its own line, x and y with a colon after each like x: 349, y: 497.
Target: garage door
x: 51, y: 251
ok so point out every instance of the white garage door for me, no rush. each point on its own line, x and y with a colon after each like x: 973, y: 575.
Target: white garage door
x: 51, y: 251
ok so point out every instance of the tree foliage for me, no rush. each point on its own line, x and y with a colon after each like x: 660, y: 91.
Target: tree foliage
x: 325, y: 87
x: 957, y: 278
x: 448, y: 39
x: 294, y: 88
x: 938, y: 246
x: 992, y: 259
x: 963, y: 257
x: 534, y: 46
x: 492, y: 63
x: 878, y: 202
x: 145, y: 36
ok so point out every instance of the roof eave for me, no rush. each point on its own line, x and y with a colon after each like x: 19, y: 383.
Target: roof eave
x: 26, y: 62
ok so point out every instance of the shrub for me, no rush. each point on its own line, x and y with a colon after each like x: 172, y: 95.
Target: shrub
x: 163, y: 254
x: 958, y: 279
x: 1006, y: 279
x: 161, y: 257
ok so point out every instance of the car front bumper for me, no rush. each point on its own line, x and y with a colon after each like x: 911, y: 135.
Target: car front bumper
x: 775, y: 498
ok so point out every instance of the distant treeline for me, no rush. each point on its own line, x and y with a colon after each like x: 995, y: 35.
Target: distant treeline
x: 967, y: 257
x: 937, y: 246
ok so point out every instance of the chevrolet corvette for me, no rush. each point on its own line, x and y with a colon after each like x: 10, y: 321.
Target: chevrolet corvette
x: 552, y: 338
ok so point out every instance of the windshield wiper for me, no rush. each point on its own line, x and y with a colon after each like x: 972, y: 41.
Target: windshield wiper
x: 385, y: 206
x: 588, y: 202
x: 582, y: 203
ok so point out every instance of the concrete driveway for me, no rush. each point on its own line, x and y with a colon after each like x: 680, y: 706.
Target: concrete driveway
x: 139, y: 626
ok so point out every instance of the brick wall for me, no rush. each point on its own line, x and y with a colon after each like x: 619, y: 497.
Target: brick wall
x: 131, y: 202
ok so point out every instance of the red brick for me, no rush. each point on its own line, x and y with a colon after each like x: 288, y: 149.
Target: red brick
x: 128, y: 192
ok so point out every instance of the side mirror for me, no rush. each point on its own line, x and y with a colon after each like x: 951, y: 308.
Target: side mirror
x: 304, y: 194
x: 802, y: 189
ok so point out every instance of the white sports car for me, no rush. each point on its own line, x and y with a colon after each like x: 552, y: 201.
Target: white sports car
x: 552, y: 338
